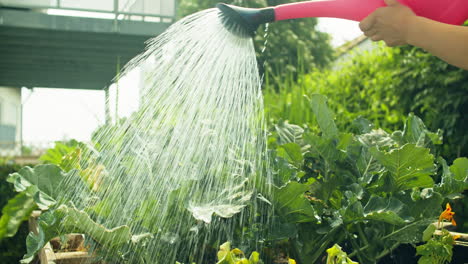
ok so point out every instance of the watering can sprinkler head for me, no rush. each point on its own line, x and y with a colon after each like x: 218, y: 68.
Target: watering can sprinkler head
x: 242, y: 21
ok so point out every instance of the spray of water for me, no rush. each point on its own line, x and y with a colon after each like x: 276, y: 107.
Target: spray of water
x: 186, y: 168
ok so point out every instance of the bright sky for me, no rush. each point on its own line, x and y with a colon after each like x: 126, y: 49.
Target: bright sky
x: 57, y: 114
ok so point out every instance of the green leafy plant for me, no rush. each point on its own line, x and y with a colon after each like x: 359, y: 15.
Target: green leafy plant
x: 12, y: 248
x: 226, y: 255
x: 370, y: 190
x: 437, y: 249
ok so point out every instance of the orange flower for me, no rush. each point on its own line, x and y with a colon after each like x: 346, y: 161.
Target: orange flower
x: 447, y: 215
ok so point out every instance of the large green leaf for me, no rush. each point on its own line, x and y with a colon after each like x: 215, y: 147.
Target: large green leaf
x: 74, y: 219
x: 389, y: 210
x: 459, y: 169
x: 410, y: 166
x: 289, y: 133
x: 292, y: 153
x: 46, y: 178
x: 453, y: 180
x: 56, y: 154
x: 325, y: 117
x: 326, y: 148
x: 44, y: 183
x: 415, y: 132
x: 18, y: 209
x: 48, y: 227
x: 292, y: 205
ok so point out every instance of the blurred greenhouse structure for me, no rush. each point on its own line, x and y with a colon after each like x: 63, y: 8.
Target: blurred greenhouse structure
x: 68, y: 44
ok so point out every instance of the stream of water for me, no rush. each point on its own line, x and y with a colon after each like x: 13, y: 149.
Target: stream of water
x: 187, y: 166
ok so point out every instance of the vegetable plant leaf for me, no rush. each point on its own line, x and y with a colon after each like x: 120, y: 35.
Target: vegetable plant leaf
x: 459, y: 169
x: 292, y: 153
x: 362, y: 125
x: 292, y: 204
x: 324, y: 116
x: 46, y: 177
x: 415, y: 132
x: 14, y: 213
x: 390, y: 210
x: 323, y: 147
x: 452, y: 181
x: 376, y: 138
x: 289, y: 133
x: 411, y: 166
x: 74, y: 219
x: 55, y: 155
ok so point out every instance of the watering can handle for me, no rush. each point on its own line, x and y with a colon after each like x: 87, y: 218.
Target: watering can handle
x: 355, y: 10
x: 448, y: 11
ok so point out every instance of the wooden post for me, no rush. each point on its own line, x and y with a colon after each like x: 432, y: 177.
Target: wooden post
x: 107, y: 105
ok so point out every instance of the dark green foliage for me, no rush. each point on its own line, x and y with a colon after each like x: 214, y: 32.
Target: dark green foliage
x: 359, y: 87
x: 383, y: 86
x: 435, y: 91
x: 12, y: 249
x: 369, y: 191
x: 290, y: 43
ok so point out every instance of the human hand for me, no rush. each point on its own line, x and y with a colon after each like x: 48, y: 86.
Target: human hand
x: 389, y: 24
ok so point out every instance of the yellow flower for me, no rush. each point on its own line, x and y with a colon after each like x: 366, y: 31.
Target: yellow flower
x: 291, y: 261
x: 455, y: 237
x: 237, y: 251
x: 447, y: 215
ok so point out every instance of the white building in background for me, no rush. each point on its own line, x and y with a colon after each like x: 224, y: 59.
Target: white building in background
x: 10, y: 121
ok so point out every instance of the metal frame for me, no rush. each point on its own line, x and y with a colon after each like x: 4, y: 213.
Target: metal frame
x: 115, y: 11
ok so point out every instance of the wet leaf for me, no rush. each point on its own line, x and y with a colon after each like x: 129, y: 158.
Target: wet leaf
x: 325, y: 117
x: 293, y: 205
x: 289, y: 133
x: 46, y: 178
x: 410, y: 166
x: 389, y: 210
x: 292, y: 153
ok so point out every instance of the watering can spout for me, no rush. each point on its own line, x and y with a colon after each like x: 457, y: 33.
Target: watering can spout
x: 244, y: 21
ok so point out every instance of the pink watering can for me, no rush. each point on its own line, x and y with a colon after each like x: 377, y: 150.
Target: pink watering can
x: 245, y: 21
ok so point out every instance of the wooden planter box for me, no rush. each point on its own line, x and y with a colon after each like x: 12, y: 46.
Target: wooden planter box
x: 75, y: 254
x: 463, y: 237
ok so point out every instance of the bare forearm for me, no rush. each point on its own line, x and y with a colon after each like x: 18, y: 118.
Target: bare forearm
x: 448, y: 42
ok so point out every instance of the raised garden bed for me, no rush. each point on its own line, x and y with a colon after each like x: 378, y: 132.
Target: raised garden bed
x: 71, y: 252
x: 462, y: 239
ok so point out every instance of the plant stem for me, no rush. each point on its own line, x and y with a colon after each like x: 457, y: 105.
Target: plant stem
x: 388, y: 250
x: 324, y: 243
x: 361, y: 233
